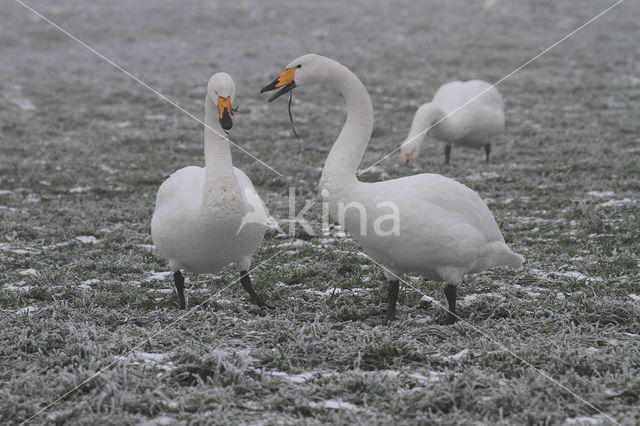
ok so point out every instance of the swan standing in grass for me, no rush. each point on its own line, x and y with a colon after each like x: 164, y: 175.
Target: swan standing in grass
x: 198, y: 220
x: 472, y: 125
x: 440, y: 229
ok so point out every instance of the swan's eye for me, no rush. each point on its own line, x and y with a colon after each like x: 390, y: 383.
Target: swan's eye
x: 299, y: 66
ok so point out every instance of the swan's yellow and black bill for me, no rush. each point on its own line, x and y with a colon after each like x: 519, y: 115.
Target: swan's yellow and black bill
x: 224, y: 111
x: 408, y: 159
x: 284, y: 80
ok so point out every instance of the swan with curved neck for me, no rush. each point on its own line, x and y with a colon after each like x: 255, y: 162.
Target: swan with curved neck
x: 198, y: 221
x: 461, y: 113
x: 426, y: 224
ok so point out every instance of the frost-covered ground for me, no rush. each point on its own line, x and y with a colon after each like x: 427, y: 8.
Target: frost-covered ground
x: 83, y: 149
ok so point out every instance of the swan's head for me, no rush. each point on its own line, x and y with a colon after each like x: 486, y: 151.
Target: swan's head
x: 409, y: 152
x: 304, y: 70
x: 222, y: 92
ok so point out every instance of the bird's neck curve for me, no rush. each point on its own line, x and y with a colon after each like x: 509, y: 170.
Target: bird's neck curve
x: 219, y: 175
x: 427, y: 115
x: 342, y: 163
x: 217, y: 154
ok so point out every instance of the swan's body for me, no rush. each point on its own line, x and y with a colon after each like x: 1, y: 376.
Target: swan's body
x: 474, y: 112
x: 444, y: 229
x: 198, y: 223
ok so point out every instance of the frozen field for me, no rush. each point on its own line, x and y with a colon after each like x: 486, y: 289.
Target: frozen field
x: 84, y: 148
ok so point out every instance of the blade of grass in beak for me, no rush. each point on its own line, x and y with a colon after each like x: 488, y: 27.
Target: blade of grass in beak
x: 293, y: 127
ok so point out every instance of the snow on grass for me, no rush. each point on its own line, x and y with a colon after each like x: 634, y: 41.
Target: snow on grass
x: 635, y: 297
x: 335, y: 404
x: 601, y: 194
x: 32, y: 272
x: 597, y: 420
x: 159, y: 276
x: 26, y: 310
x: 616, y: 203
x: 87, y: 239
x: 457, y: 357
x: 80, y: 189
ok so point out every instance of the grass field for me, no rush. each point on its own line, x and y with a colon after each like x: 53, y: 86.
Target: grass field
x: 84, y: 148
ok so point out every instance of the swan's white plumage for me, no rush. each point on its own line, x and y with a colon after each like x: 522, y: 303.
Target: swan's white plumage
x: 471, y: 125
x: 445, y: 229
x: 198, y: 219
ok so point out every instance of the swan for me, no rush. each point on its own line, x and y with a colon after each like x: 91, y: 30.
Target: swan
x: 471, y: 123
x: 200, y: 219
x: 426, y: 224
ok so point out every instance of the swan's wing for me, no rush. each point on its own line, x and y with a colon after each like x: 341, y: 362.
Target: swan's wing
x: 434, y: 201
x: 183, y: 187
x: 255, y: 207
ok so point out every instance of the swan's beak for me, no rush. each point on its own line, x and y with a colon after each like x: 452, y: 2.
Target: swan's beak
x: 284, y: 80
x: 408, y: 159
x: 224, y: 111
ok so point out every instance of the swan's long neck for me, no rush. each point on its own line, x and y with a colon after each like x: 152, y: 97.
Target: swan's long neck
x: 347, y: 151
x: 217, y: 156
x: 424, y: 117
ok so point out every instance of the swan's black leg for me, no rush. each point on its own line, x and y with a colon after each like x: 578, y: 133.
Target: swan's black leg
x: 245, y: 280
x: 447, y: 153
x: 178, y: 281
x: 487, y: 151
x: 394, y: 288
x: 450, y: 292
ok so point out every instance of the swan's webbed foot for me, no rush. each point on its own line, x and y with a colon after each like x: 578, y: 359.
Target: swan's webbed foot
x: 450, y: 292
x: 245, y: 280
x: 394, y: 288
x: 447, y: 153
x: 487, y: 151
x: 178, y: 281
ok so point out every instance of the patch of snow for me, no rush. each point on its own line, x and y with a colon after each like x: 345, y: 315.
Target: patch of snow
x: 121, y: 124
x: 87, y: 239
x: 428, y: 300
x: 30, y: 271
x: 334, y: 404
x: 585, y: 421
x: 578, y: 276
x: 463, y: 353
x: 434, y: 376
x: 87, y: 283
x: 45, y: 183
x: 5, y: 192
x: 107, y: 169
x: 79, y: 189
x: 615, y: 203
x: 26, y: 310
x: 33, y: 199
x: 601, y: 194
x: 149, y: 247
x: 159, y: 421
x: 158, y: 275
x: 293, y: 378
x: 635, y: 297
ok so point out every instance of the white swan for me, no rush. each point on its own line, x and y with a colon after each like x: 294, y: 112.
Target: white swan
x: 471, y: 125
x: 199, y: 223
x: 426, y: 224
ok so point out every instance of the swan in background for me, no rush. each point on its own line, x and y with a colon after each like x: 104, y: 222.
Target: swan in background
x: 426, y: 224
x: 198, y: 221
x: 472, y: 125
